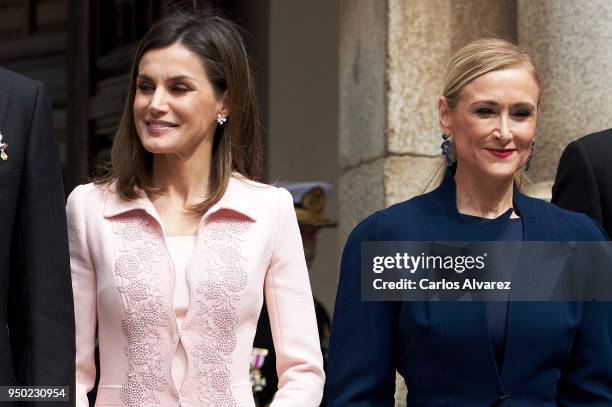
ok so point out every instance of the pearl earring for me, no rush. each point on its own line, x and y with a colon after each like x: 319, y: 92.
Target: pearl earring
x: 221, y: 118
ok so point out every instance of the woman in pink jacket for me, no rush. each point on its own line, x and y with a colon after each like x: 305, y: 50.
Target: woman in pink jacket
x: 173, y: 253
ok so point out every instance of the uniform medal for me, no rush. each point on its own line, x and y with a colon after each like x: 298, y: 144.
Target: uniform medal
x: 3, y: 147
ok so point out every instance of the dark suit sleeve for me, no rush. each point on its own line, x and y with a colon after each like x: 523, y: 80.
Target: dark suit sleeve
x: 41, y: 311
x: 362, y: 352
x: 575, y: 186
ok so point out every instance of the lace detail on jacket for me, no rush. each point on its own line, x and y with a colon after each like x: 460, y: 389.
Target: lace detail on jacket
x: 217, y: 314
x: 138, y: 249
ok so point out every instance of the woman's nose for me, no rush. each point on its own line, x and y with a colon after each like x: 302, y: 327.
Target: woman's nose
x: 158, y: 103
x: 503, y: 133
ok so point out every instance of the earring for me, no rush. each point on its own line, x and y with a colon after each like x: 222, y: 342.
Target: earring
x: 528, y: 162
x: 447, y: 149
x: 221, y: 118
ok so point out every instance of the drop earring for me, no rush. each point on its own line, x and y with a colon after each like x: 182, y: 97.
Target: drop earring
x: 447, y: 149
x: 221, y: 118
x: 528, y: 162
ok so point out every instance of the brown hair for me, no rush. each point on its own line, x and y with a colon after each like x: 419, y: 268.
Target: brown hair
x: 236, y: 146
x: 481, y: 57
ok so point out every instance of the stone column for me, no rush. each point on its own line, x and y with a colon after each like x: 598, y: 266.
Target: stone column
x: 572, y: 44
x: 362, y: 123
x: 392, y: 59
x: 393, y: 55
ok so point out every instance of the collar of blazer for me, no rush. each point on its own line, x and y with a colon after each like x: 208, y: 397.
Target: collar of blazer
x: 534, y: 217
x: 236, y: 199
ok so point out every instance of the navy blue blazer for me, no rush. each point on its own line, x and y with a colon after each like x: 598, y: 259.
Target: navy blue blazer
x: 556, y: 354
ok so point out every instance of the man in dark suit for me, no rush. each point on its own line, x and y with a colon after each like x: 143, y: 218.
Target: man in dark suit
x: 584, y: 178
x: 37, y: 344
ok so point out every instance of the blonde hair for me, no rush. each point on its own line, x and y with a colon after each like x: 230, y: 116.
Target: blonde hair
x: 481, y: 57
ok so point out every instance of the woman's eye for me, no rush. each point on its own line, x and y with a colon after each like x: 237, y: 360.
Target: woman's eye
x: 144, y: 87
x: 180, y: 89
x: 523, y: 113
x: 484, y: 111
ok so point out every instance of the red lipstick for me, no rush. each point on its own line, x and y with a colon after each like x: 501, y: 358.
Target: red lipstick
x: 501, y: 152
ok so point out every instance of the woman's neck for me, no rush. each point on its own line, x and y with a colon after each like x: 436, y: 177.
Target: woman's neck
x: 185, y: 179
x: 482, y: 196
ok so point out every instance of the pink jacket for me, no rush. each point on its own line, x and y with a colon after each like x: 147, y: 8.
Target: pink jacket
x: 248, y: 246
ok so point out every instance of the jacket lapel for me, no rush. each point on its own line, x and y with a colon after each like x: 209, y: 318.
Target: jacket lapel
x: 443, y: 222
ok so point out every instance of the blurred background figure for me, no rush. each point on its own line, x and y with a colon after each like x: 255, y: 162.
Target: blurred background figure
x: 584, y: 178
x: 309, y: 202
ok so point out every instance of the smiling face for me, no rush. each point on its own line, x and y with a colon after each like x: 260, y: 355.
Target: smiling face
x: 493, y: 123
x: 175, y: 105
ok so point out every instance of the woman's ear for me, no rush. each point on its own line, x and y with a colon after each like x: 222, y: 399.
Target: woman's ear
x: 223, y: 104
x: 444, y: 115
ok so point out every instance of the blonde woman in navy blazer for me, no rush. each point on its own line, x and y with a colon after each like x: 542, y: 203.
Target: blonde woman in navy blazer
x: 473, y: 354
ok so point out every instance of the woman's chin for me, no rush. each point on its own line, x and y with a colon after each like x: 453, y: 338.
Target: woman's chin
x: 501, y: 171
x: 158, y: 150
x: 158, y: 147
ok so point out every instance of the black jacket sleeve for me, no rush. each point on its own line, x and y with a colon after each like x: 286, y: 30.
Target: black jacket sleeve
x: 41, y: 310
x: 575, y: 186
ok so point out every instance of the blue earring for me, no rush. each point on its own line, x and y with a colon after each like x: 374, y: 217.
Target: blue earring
x: 528, y: 162
x: 447, y: 149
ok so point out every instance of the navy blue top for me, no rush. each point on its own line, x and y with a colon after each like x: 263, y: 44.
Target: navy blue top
x: 555, y: 353
x: 496, y: 311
